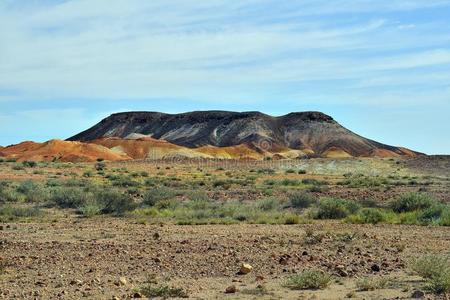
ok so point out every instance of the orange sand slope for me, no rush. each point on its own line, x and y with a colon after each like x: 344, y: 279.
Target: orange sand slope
x: 61, y: 151
x: 117, y: 149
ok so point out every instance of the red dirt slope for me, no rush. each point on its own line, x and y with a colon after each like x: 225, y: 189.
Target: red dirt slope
x: 61, y: 151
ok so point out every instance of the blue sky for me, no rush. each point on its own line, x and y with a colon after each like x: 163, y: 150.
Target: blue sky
x: 380, y: 68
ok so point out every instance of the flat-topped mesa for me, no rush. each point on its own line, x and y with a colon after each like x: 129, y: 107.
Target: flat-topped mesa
x: 311, y: 132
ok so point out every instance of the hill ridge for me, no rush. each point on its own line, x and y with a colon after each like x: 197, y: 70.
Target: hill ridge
x: 308, y: 131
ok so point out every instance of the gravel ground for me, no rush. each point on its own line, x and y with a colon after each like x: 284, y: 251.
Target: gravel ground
x: 103, y: 258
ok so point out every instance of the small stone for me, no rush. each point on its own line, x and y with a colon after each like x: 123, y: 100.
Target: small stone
x: 418, y: 294
x: 283, y: 261
x: 340, y: 269
x: 76, y: 282
x: 230, y: 290
x: 375, y: 268
x: 245, y: 269
x: 123, y: 281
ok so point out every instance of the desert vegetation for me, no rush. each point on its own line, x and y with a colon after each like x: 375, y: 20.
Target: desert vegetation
x: 305, y: 229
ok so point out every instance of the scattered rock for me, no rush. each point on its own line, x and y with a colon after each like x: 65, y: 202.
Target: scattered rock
x: 76, y: 282
x: 137, y: 295
x: 231, y: 289
x: 340, y: 269
x: 375, y: 268
x: 418, y: 294
x: 122, y: 281
x: 245, y: 269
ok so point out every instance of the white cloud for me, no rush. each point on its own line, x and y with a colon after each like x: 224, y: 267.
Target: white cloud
x: 145, y: 49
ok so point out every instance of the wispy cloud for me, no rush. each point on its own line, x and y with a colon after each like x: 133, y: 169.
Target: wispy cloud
x: 344, y: 51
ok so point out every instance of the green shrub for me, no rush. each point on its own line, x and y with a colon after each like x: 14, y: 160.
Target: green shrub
x: 225, y: 184
x: 114, y: 202
x: 33, y: 192
x: 308, y: 279
x: 436, y: 270
x: 291, y: 219
x: 371, y: 284
x: 8, y: 193
x: 124, y: 181
x: 301, y: 200
x: 430, y: 266
x: 431, y: 214
x: 371, y: 216
x: 312, y: 181
x: 163, y: 291
x: 290, y: 182
x: 331, y: 208
x: 158, y: 194
x: 90, y: 209
x: 196, y: 195
x: 29, y: 164
x: 10, y: 213
x: 18, y: 167
x: 70, y: 197
x: 440, y: 284
x: 445, y: 217
x: 268, y: 204
x: 411, y: 202
x: 266, y: 171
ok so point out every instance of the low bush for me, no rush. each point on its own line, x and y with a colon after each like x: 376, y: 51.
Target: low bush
x: 162, y: 291
x: 436, y: 271
x: 90, y: 209
x: 367, y: 216
x: 445, y: 217
x: 301, y: 200
x: 33, y: 192
x: 372, y: 283
x: 10, y: 213
x: 8, y: 193
x: 268, y: 204
x: 155, y: 195
x: 70, y: 197
x: 308, y: 279
x: 124, y: 181
x: 29, y: 164
x: 291, y: 219
x: 411, y: 202
x: 114, y: 202
x: 332, y: 208
x: 431, y: 214
x: 430, y: 266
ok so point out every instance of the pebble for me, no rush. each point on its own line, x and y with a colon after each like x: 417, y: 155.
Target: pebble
x: 231, y: 289
x: 245, y: 268
x: 418, y: 294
